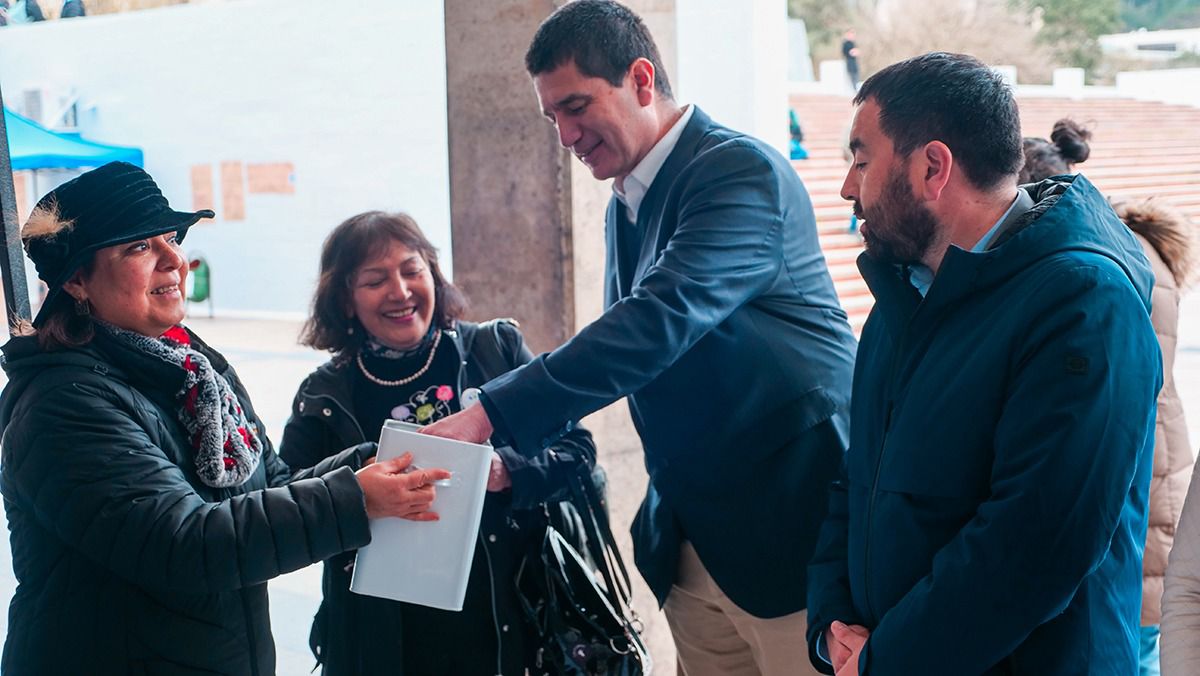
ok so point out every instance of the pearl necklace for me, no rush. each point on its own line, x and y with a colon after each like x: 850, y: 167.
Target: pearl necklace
x: 437, y: 338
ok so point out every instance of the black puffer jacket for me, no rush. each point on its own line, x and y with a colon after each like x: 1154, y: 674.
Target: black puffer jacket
x: 126, y: 563
x: 351, y: 632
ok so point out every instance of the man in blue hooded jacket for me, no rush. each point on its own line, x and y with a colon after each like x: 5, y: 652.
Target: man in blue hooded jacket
x: 992, y: 511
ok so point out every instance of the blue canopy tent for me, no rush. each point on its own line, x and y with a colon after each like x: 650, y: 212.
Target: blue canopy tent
x: 32, y: 146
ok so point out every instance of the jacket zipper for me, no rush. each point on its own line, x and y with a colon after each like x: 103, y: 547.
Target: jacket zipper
x: 495, y: 615
x: 871, y: 511
x: 462, y: 370
x: 897, y: 355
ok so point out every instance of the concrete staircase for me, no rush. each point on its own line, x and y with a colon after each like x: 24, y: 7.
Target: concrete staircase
x: 1139, y: 149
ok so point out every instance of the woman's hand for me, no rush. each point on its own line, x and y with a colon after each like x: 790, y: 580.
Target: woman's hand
x: 498, y: 478
x: 391, y: 490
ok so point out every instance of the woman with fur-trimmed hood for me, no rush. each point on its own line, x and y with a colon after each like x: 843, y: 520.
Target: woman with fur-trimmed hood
x: 1164, y: 236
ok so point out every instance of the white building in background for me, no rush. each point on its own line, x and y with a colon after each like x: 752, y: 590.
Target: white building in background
x: 1170, y: 85
x: 286, y: 118
x: 1152, y: 45
x: 282, y: 119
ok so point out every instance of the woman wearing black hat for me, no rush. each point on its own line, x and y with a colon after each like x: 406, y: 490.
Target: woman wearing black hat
x: 146, y: 506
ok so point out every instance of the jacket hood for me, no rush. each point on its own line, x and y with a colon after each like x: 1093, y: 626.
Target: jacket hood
x: 1069, y: 215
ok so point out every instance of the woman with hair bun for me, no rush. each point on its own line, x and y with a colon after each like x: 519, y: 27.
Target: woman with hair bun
x: 1068, y: 146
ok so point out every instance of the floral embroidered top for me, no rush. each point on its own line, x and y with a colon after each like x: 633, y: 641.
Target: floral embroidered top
x: 429, y: 398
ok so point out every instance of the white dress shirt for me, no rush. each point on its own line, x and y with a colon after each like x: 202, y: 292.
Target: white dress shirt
x: 635, y: 185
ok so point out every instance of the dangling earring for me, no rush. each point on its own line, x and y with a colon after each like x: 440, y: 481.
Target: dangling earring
x: 82, y: 307
x: 350, y: 330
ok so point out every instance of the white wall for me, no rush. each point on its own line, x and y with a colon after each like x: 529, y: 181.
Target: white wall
x: 1177, y: 85
x: 733, y: 63
x: 1127, y: 44
x: 800, y: 65
x: 355, y: 99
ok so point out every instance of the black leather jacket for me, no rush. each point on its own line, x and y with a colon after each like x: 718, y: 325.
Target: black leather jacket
x: 322, y: 421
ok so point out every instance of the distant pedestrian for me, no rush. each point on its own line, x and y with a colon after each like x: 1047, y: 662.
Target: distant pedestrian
x: 72, y: 8
x: 25, y: 11
x: 850, y: 54
x: 796, y: 149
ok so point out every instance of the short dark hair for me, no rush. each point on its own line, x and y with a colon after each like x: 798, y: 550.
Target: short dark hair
x: 352, y: 243
x: 955, y: 99
x: 602, y: 37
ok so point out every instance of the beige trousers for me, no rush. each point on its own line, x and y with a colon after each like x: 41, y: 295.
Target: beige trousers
x: 714, y: 637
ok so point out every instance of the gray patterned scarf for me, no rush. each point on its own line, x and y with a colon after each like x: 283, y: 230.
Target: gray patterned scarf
x: 227, y: 449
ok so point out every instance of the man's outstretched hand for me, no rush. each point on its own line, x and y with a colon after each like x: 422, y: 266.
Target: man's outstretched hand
x: 470, y: 424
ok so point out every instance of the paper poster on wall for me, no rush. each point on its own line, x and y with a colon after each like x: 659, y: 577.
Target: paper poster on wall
x: 233, y: 192
x: 20, y: 186
x: 271, y: 177
x: 202, y: 187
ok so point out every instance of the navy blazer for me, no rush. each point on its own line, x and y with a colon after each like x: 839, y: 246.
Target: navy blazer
x: 723, y: 329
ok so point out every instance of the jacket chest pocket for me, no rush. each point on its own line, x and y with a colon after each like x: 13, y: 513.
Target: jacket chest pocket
x: 950, y: 459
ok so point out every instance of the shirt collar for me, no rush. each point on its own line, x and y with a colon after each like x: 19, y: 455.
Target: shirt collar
x: 988, y: 236
x: 638, y: 181
x: 921, y: 277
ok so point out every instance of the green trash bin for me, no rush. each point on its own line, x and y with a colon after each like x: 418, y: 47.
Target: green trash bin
x: 201, y: 275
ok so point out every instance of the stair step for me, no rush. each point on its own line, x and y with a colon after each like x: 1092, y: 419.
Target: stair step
x: 1139, y: 149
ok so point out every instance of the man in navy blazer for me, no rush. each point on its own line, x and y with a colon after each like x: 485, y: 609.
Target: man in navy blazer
x: 722, y: 328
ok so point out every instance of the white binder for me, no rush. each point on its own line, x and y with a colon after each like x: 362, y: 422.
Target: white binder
x: 429, y: 562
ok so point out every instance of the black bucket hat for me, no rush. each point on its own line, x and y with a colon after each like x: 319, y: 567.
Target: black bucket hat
x: 114, y: 204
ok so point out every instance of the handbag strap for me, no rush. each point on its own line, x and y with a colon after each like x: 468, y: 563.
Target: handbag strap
x: 487, y: 348
x: 601, y: 544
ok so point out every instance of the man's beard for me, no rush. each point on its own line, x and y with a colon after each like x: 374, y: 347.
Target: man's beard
x: 899, y: 229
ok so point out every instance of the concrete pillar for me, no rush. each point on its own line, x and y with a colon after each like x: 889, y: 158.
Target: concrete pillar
x: 510, y: 188
x: 1069, y: 81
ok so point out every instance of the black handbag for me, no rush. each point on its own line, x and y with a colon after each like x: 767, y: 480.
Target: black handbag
x: 574, y: 590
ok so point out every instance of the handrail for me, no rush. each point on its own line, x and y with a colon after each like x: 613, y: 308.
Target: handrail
x: 12, y: 263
